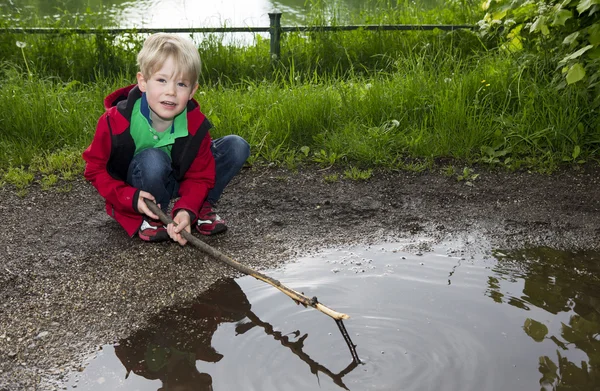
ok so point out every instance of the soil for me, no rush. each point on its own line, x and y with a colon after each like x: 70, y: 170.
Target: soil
x: 72, y: 281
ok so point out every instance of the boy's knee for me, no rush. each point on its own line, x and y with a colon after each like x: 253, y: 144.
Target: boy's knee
x: 151, y: 162
x: 151, y: 154
x: 240, y: 147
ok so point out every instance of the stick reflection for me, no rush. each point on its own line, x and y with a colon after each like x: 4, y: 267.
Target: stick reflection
x: 175, y: 338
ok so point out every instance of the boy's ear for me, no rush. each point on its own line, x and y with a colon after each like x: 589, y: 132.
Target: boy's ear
x: 194, y: 89
x: 141, y: 82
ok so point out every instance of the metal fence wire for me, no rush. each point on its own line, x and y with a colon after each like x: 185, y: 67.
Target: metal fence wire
x: 275, y: 30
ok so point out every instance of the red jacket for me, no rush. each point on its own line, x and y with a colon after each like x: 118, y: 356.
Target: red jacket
x: 108, y: 157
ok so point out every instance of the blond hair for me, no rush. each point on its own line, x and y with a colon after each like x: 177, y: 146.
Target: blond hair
x: 159, y: 47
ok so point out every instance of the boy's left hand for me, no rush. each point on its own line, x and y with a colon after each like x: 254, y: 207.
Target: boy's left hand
x: 182, y: 219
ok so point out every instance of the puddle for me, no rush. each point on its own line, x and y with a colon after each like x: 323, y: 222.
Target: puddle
x: 524, y: 320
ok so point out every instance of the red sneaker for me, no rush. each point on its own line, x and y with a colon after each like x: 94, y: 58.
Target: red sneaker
x: 209, y: 222
x: 153, y: 231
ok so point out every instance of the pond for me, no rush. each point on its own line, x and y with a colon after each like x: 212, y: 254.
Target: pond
x: 424, y: 316
x: 178, y: 13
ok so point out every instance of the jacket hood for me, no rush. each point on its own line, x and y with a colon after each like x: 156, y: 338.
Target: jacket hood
x: 117, y: 96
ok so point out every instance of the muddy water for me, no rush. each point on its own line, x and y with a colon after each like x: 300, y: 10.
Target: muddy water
x: 422, y: 320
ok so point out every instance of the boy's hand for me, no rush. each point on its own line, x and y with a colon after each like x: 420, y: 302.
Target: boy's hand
x: 142, y: 207
x: 182, y: 219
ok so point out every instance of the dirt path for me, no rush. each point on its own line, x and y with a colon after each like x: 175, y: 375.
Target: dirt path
x: 71, y: 280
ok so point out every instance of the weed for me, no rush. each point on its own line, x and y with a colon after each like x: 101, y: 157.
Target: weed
x: 575, y: 156
x: 66, y: 161
x: 18, y: 177
x: 326, y: 159
x: 48, y: 181
x: 331, y: 178
x: 22, y: 46
x: 356, y: 174
x: 449, y: 171
x: 66, y: 188
x: 416, y: 165
x: 468, y: 175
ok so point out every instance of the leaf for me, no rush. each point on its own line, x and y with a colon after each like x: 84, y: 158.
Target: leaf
x: 535, y: 329
x: 575, y: 55
x: 594, y: 54
x: 569, y: 39
x: 545, y: 29
x: 548, y: 368
x: 576, y: 152
x: 575, y: 73
x: 499, y: 15
x: 594, y: 34
x: 584, y: 5
x: 514, y: 45
x: 539, y: 24
x: 561, y: 17
x: 488, y: 150
x: 516, y: 32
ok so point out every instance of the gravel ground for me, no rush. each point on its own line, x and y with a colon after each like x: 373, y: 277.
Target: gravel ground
x: 71, y: 280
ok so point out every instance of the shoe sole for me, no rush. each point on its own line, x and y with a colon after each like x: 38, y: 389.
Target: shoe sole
x: 154, y: 239
x: 218, y: 229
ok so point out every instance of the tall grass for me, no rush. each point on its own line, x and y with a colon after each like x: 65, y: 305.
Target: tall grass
x: 358, y: 98
x: 85, y: 57
x: 465, y: 111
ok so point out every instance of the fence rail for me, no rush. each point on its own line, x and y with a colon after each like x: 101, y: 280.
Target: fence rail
x: 275, y: 30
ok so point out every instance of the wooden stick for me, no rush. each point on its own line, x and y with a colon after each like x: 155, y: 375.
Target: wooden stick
x: 296, y: 296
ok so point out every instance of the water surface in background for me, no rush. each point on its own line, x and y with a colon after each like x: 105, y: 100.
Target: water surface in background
x: 179, y: 13
x: 435, y: 320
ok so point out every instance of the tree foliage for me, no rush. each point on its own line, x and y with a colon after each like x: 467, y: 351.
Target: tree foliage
x: 567, y: 32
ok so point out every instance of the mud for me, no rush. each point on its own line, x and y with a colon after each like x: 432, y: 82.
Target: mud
x: 71, y: 280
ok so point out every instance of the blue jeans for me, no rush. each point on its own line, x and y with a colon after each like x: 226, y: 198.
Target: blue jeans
x: 150, y: 170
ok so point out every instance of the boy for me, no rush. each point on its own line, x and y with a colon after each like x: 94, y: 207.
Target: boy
x: 153, y: 143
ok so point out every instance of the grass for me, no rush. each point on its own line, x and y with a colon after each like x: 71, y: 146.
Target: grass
x: 356, y: 174
x: 398, y: 100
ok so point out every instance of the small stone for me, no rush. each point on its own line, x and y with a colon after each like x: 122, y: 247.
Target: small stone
x: 42, y: 335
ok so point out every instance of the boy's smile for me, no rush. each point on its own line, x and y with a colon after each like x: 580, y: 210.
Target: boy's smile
x: 167, y: 93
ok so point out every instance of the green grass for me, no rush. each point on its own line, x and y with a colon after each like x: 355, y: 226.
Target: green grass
x: 356, y: 174
x: 398, y: 100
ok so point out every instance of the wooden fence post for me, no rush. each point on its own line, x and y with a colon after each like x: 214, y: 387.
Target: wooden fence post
x: 275, y: 32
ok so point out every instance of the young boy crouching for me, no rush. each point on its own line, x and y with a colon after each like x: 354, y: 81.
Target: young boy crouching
x: 153, y: 142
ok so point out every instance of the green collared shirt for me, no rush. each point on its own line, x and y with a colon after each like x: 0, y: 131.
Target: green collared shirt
x: 145, y: 136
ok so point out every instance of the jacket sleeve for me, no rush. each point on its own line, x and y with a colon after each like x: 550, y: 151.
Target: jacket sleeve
x: 116, y: 192
x: 197, y: 181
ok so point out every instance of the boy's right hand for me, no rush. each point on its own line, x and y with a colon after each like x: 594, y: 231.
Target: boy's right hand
x: 142, y: 207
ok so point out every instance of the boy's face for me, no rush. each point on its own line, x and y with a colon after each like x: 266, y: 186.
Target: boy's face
x: 167, y: 92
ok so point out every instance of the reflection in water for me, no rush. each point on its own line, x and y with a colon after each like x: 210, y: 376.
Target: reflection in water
x: 557, y: 282
x: 296, y: 348
x: 167, y: 350
x: 186, y: 13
